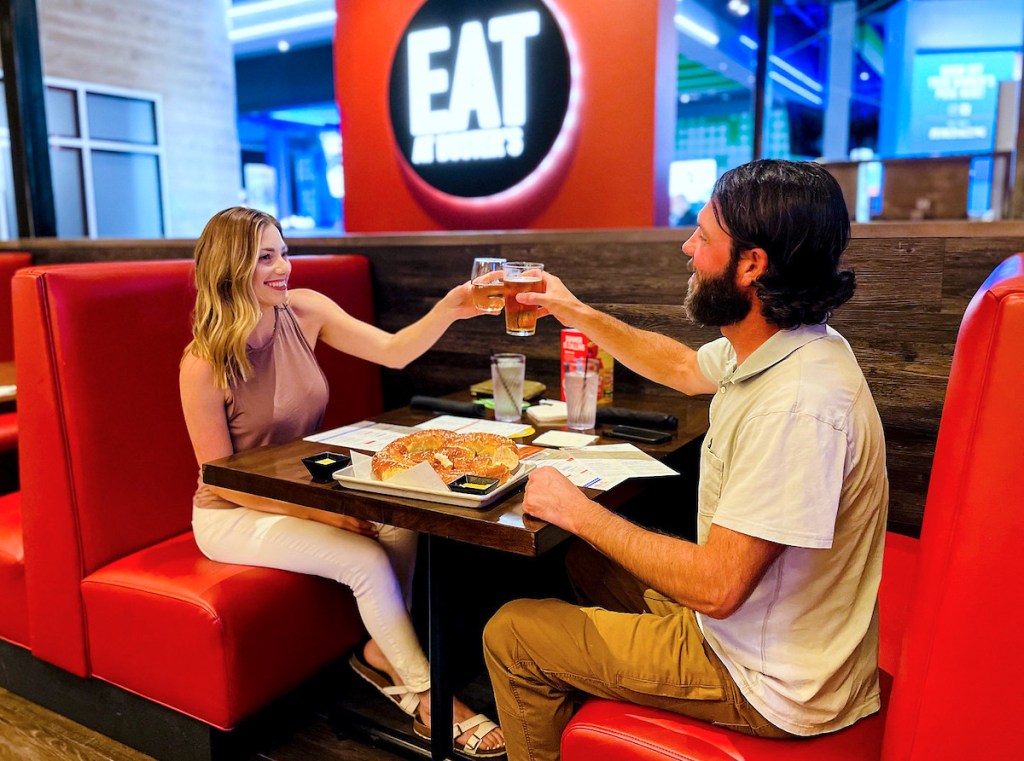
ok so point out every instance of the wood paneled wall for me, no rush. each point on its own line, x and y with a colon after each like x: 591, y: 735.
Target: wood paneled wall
x: 914, y: 282
x: 178, y: 49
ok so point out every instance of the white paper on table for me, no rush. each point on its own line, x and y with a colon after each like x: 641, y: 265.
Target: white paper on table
x: 420, y: 476
x: 575, y: 470
x: 365, y: 435
x: 564, y: 439
x: 602, y: 467
x: 473, y: 425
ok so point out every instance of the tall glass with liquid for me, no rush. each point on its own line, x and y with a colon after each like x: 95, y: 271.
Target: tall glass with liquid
x: 488, y: 288
x: 521, y: 277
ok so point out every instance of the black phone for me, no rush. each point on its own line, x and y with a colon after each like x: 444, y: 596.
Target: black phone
x: 643, y: 435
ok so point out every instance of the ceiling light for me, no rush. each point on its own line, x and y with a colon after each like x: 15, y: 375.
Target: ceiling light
x: 795, y: 72
x: 265, y: 6
x: 696, y: 30
x: 289, y: 24
x: 790, y: 84
x: 739, y: 7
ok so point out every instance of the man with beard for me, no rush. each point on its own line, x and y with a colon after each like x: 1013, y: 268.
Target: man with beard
x: 767, y: 625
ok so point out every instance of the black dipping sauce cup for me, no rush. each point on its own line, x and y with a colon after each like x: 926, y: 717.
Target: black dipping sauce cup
x: 473, y: 485
x: 323, y: 466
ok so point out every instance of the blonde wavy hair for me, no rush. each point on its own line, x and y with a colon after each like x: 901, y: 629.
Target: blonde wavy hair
x: 227, y: 310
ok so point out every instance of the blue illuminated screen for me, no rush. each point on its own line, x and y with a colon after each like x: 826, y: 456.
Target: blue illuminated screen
x: 954, y: 99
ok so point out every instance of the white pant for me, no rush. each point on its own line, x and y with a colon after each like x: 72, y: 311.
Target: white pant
x: 378, y: 571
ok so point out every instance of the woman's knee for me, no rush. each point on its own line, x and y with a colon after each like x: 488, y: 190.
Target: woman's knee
x: 364, y: 566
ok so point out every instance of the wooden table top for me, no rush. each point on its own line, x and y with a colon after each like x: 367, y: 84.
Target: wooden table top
x: 277, y: 472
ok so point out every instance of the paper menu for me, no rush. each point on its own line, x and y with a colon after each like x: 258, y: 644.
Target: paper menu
x: 365, y: 435
x: 473, y: 425
x: 602, y: 467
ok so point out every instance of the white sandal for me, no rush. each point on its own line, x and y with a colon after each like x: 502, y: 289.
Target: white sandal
x: 407, y: 700
x: 471, y: 748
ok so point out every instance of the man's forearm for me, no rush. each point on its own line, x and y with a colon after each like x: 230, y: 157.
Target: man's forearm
x: 652, y: 355
x: 672, y: 566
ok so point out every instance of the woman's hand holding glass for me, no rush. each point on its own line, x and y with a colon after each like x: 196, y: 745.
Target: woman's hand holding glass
x: 459, y: 302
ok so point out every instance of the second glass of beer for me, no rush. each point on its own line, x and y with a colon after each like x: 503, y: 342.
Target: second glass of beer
x: 521, y: 277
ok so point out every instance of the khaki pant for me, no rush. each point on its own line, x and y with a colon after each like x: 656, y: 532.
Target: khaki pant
x: 640, y: 647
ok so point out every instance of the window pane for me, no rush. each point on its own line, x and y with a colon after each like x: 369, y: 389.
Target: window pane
x: 715, y: 85
x: 8, y: 212
x: 61, y: 112
x: 66, y: 165
x: 127, y: 120
x: 807, y: 35
x: 127, y: 195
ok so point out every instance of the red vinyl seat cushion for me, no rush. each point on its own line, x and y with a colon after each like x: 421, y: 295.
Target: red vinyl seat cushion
x: 8, y: 431
x: 13, y: 603
x: 605, y: 729
x: 213, y: 640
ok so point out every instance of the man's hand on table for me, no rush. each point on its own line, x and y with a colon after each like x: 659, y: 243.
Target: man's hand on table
x: 552, y: 497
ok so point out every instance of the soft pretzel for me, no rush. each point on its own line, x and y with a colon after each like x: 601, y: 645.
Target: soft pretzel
x: 450, y: 454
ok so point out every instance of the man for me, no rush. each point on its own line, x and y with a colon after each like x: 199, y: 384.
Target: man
x: 769, y: 624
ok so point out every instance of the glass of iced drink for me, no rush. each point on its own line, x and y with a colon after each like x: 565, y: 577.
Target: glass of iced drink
x: 488, y: 289
x: 521, y: 277
x: 508, y: 372
x: 582, y: 380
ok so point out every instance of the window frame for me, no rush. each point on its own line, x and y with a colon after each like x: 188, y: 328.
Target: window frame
x: 86, y: 144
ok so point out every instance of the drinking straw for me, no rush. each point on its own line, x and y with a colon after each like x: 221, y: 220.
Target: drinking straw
x: 580, y: 401
x: 501, y: 377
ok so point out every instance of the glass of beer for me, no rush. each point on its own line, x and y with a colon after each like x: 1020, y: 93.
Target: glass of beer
x: 488, y: 290
x: 521, y: 277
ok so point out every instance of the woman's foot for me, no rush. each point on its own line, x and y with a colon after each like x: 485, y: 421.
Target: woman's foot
x: 492, y: 741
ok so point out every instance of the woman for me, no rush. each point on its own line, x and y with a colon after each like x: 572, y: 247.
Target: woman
x: 249, y: 378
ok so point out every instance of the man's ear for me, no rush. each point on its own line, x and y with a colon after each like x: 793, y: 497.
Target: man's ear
x: 752, y: 264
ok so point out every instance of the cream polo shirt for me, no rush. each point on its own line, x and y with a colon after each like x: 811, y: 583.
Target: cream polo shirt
x: 795, y: 455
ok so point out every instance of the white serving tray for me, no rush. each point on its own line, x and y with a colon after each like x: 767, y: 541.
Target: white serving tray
x: 446, y: 497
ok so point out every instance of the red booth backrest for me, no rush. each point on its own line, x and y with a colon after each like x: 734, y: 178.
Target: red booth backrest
x: 10, y: 262
x: 356, y: 390
x: 106, y: 464
x: 960, y: 669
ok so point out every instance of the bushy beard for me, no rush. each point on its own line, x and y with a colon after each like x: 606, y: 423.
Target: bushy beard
x: 716, y: 301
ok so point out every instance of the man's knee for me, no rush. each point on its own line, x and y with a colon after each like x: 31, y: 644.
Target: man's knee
x: 501, y: 632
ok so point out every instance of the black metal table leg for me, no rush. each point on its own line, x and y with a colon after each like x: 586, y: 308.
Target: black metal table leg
x: 438, y: 579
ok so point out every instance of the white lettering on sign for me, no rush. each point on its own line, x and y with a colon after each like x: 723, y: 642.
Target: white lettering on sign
x: 961, y: 81
x: 444, y: 134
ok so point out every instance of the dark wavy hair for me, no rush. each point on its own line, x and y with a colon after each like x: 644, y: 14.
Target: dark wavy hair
x: 794, y: 211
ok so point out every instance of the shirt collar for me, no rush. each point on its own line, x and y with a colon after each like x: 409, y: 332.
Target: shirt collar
x: 774, y: 350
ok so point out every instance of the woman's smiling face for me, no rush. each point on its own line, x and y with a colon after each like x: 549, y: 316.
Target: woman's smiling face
x: 270, y: 278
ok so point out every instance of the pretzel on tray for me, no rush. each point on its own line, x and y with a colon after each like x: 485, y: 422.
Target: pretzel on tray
x: 450, y: 454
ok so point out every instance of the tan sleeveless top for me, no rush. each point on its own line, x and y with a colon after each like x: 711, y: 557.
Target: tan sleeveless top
x: 283, y: 399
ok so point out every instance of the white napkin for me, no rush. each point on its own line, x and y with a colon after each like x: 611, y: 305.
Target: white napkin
x: 564, y: 439
x: 547, y: 413
x: 421, y: 476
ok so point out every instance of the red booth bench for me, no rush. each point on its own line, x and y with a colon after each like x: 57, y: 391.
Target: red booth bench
x: 950, y: 604
x: 9, y: 264
x: 114, y: 590
x: 14, y: 609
